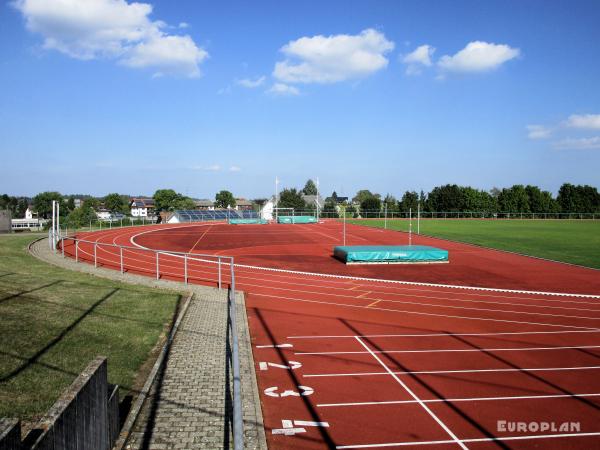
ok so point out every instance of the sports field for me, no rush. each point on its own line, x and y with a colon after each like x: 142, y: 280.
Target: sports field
x: 53, y: 322
x: 344, y: 360
x: 572, y: 241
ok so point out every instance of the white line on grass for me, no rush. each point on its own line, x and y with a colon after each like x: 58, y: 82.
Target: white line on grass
x: 413, y: 395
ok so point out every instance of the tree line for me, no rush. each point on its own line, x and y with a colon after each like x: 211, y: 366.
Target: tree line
x: 518, y: 198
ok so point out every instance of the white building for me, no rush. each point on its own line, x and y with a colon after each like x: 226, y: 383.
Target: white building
x: 103, y: 214
x: 142, y: 207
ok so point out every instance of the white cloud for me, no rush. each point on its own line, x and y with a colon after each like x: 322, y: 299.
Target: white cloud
x: 478, y: 56
x: 235, y: 169
x: 183, y: 25
x: 591, y: 143
x: 329, y: 59
x: 420, y: 57
x: 283, y: 89
x: 585, y: 121
x: 251, y: 84
x: 111, y: 29
x: 538, y: 132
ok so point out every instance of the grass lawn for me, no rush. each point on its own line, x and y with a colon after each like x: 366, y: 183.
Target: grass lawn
x: 53, y: 322
x: 572, y: 241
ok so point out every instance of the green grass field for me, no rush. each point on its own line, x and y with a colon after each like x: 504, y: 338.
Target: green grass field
x: 572, y: 241
x: 53, y: 322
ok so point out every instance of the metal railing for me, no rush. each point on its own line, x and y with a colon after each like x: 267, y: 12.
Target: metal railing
x: 377, y: 214
x: 222, y: 263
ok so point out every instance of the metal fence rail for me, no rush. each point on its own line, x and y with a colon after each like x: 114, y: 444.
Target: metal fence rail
x: 222, y: 263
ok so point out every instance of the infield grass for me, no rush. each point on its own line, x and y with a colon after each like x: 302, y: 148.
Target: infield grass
x: 53, y: 322
x: 572, y: 241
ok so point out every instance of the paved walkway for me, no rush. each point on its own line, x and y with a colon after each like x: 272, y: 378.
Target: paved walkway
x: 189, y: 406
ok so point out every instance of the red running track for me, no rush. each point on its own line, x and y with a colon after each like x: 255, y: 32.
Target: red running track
x: 387, y: 365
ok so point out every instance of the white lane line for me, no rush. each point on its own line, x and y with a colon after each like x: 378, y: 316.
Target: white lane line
x: 365, y: 296
x: 345, y: 336
x: 413, y: 395
x: 456, y: 400
x: 447, y: 350
x: 335, y: 277
x: 475, y: 440
x: 417, y: 283
x: 436, y: 372
x: 376, y: 308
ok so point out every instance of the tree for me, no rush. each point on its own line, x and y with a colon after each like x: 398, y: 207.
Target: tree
x: 310, y: 188
x: 114, y: 202
x: 224, y: 199
x: 81, y: 216
x: 71, y: 204
x: 169, y: 200
x: 330, y: 209
x: 291, y: 198
x: 42, y: 203
x: 514, y: 199
x: 91, y: 202
x: 410, y: 200
x: 390, y: 203
x: 370, y: 204
x: 362, y: 195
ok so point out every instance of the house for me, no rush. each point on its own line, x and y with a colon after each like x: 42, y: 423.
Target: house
x: 337, y: 200
x: 241, y: 204
x: 205, y: 204
x: 141, y: 207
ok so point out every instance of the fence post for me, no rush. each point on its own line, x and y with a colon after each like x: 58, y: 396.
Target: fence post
x: 62, y: 246
x: 185, y: 268
x: 76, y: 251
x: 219, y: 273
x: 238, y: 424
x: 95, y: 257
x: 157, y: 268
x: 121, y: 255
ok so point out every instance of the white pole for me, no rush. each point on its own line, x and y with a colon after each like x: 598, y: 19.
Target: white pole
x: 275, y: 201
x: 57, y: 221
x: 157, y: 268
x: 385, y: 218
x: 76, y: 250
x: 344, y: 226
x: 317, y: 199
x: 95, y: 253
x: 52, y: 234
x: 219, y: 273
x: 409, y: 226
x: 185, y: 268
x: 121, y: 255
x: 419, y: 218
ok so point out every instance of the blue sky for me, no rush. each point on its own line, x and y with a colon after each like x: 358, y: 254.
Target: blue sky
x: 106, y: 95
